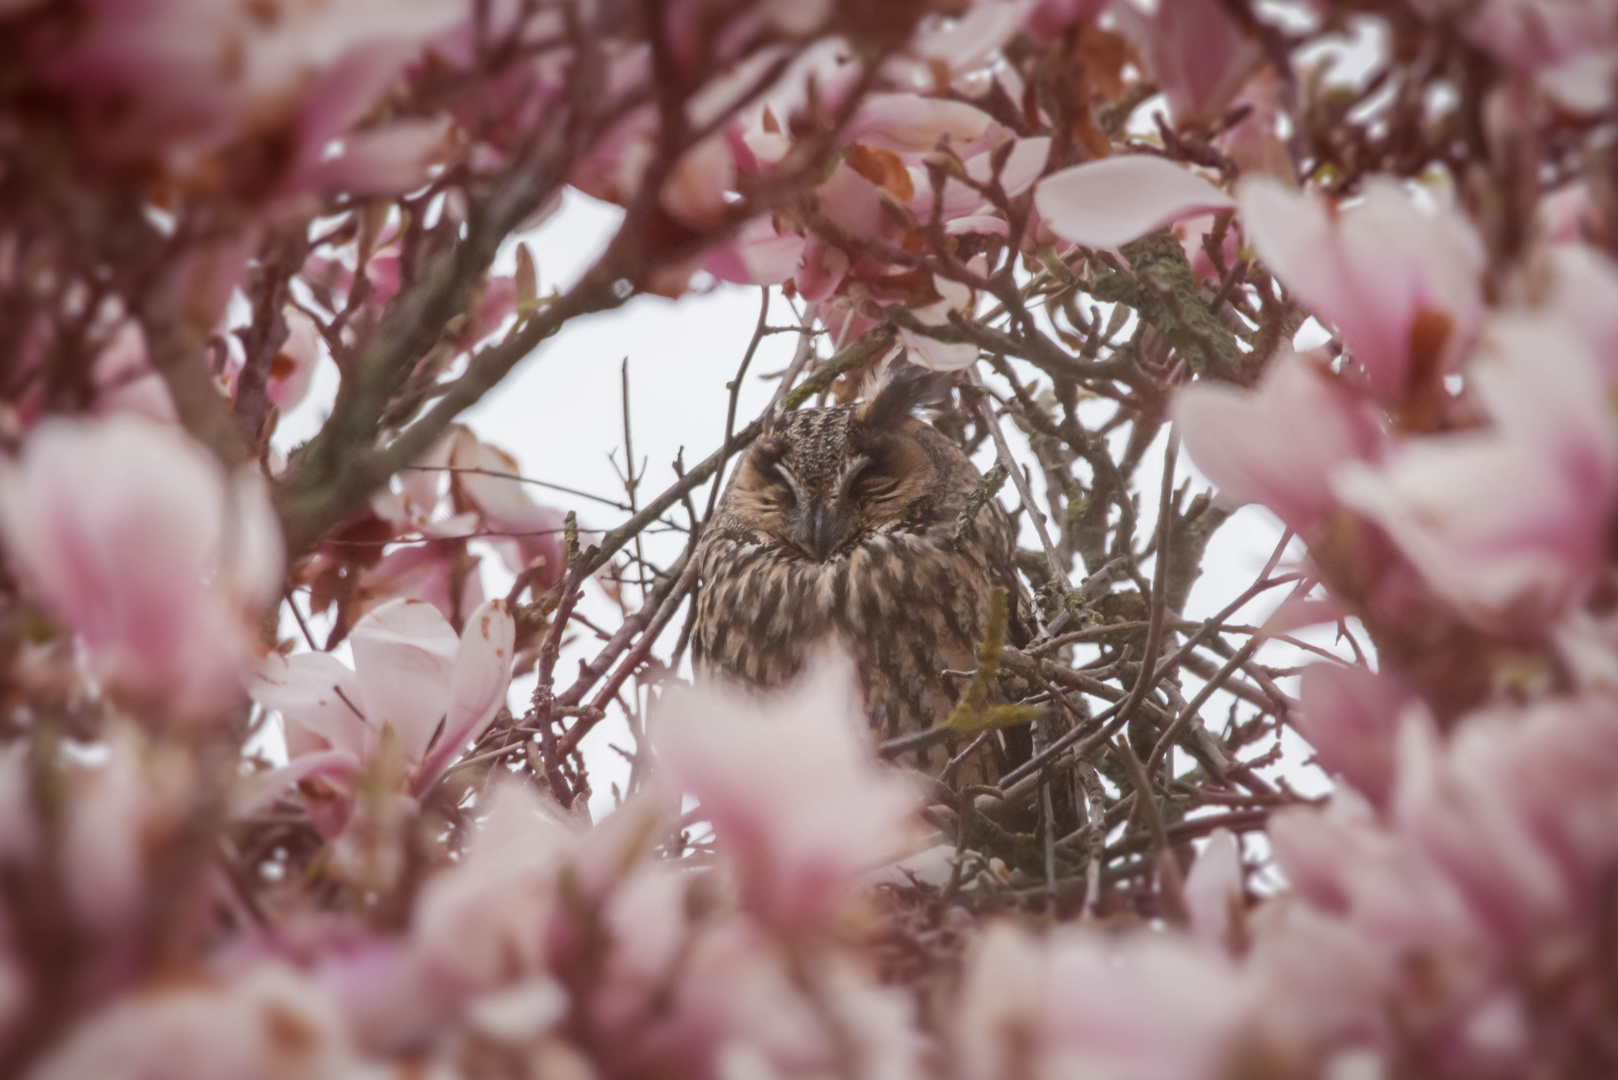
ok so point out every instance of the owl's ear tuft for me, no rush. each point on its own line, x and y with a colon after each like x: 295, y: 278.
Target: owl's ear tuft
x: 904, y: 388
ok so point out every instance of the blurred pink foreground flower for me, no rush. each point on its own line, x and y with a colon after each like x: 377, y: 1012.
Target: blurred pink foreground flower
x: 133, y: 535
x: 799, y: 841
x: 1402, y: 285
x: 1280, y: 443
x: 416, y: 690
x: 270, y: 1024
x: 1508, y: 523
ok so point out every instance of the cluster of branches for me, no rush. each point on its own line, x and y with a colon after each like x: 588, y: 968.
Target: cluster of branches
x: 132, y: 277
x: 1157, y: 728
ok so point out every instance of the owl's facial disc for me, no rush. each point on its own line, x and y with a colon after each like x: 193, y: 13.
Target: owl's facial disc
x: 823, y: 496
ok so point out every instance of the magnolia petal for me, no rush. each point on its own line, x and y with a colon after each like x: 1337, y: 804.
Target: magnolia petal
x: 404, y: 652
x: 1113, y: 201
x: 1400, y: 285
x: 757, y: 255
x: 1280, y: 443
x: 316, y: 695
x: 979, y: 224
x: 907, y: 123
x: 799, y: 843
x: 477, y: 687
x: 1022, y: 167
x: 937, y: 355
x: 293, y: 368
x: 1350, y: 716
x: 388, y: 160
x: 1213, y: 890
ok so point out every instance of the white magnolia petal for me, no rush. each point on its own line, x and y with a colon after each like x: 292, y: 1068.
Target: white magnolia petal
x: 404, y: 652
x: 477, y: 687
x: 315, y: 693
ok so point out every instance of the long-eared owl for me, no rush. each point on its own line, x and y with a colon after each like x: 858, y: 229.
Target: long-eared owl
x: 841, y: 523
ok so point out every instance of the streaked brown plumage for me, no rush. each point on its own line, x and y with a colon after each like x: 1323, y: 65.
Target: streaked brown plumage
x: 840, y: 523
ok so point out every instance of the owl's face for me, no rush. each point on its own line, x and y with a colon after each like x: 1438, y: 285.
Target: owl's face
x: 827, y: 479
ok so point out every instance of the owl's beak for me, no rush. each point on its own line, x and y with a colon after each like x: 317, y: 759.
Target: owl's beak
x: 820, y: 531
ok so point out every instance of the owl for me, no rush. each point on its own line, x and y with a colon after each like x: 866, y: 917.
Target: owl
x: 840, y: 523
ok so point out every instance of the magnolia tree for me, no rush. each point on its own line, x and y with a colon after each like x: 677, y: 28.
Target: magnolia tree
x: 270, y: 808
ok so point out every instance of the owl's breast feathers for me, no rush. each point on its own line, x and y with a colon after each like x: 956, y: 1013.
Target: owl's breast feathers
x: 907, y: 604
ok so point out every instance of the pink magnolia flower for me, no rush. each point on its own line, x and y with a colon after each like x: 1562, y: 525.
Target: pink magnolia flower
x: 1197, y: 53
x: 964, y: 209
x: 759, y: 767
x: 1512, y: 522
x: 1387, y: 893
x: 1350, y: 715
x: 757, y: 255
x: 417, y: 694
x: 1401, y: 285
x: 1118, y: 199
x: 1280, y: 443
x: 162, y: 62
x: 959, y: 46
x: 436, y: 571
x: 1449, y: 805
x: 487, y: 920
x: 1485, y: 865
x: 135, y: 538
x: 738, y: 1008
x: 291, y: 369
x: 1139, y: 1007
x: 270, y: 1023
x: 387, y: 160
x: 1569, y: 47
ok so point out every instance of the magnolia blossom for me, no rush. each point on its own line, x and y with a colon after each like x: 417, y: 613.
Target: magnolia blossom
x: 269, y: 1024
x: 136, y: 539
x: 1113, y: 201
x: 1198, y: 54
x: 1349, y: 715
x: 1569, y: 47
x: 1513, y: 521
x: 1402, y: 285
x: 291, y: 369
x: 676, y: 980
x: 417, y: 694
x: 798, y: 843
x: 1484, y: 862
x: 1141, y: 1007
x: 487, y: 920
x: 314, y: 67
x: 1281, y: 443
